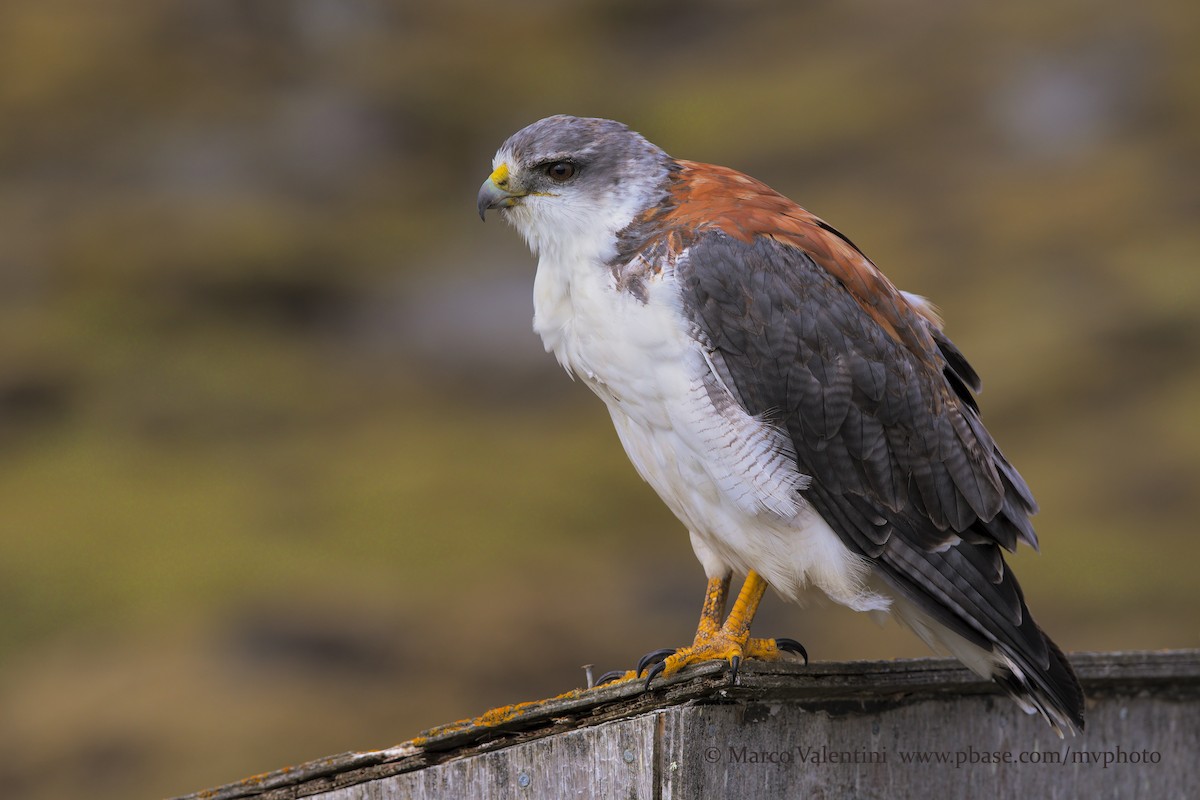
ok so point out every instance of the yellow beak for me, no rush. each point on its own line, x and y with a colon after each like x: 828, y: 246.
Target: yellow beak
x: 497, y: 192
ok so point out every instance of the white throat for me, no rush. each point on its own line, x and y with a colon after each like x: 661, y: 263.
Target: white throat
x: 575, y: 240
x: 574, y: 284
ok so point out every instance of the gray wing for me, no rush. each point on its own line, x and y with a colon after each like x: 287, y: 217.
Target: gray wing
x: 901, y: 465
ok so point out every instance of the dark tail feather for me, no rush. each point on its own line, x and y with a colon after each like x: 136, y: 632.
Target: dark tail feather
x: 969, y: 591
x: 1052, y: 691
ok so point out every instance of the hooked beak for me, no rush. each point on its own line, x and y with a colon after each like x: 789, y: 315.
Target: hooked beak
x: 496, y: 192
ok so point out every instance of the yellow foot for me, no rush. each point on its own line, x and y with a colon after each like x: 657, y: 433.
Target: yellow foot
x: 716, y: 641
x: 722, y: 646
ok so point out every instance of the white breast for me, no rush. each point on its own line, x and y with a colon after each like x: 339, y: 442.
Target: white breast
x: 729, y: 477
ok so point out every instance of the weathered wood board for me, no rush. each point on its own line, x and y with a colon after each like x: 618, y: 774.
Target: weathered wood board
x: 867, y: 730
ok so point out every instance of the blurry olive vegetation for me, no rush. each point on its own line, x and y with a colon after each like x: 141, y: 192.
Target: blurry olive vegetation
x: 284, y: 472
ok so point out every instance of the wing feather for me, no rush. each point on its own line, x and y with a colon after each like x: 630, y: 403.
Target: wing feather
x: 877, y: 402
x: 901, y: 466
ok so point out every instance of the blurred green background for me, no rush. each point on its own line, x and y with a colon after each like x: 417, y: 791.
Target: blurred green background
x: 284, y: 472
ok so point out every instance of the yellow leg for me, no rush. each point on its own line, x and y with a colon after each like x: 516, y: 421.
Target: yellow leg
x: 714, y: 608
x: 746, y: 606
x: 731, y: 641
x: 711, y: 616
x: 716, y: 640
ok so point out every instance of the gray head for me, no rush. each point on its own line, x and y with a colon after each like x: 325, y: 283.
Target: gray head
x: 569, y: 177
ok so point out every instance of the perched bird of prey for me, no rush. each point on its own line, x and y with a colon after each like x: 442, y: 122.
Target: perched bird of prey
x: 809, y: 423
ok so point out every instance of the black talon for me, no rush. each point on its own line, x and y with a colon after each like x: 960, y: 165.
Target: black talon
x: 734, y: 663
x: 654, y: 672
x: 656, y: 657
x: 792, y: 646
x: 608, y: 677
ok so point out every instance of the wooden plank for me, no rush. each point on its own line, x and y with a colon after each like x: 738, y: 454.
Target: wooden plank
x: 971, y: 746
x: 580, y: 740
x: 615, y: 761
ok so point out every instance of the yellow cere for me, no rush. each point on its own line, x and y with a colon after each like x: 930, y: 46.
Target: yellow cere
x: 499, y: 176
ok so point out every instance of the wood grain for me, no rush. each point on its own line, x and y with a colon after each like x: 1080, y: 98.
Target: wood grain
x: 862, y: 729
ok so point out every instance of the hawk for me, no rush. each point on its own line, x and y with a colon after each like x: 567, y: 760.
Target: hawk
x: 809, y: 423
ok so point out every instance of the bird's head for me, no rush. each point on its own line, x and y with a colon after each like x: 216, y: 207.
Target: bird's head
x: 573, y: 179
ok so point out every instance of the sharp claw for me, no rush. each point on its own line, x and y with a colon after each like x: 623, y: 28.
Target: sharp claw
x: 609, y: 676
x: 654, y: 672
x: 734, y: 663
x: 656, y: 657
x: 792, y: 646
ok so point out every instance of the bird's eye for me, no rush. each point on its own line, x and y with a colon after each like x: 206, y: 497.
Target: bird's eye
x: 560, y: 171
